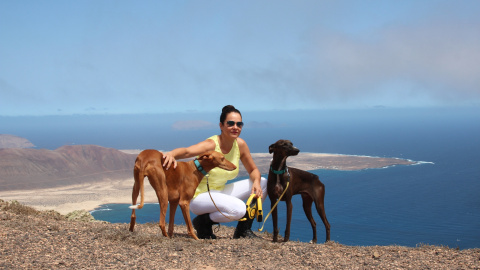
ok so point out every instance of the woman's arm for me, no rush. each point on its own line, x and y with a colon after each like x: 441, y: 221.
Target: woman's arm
x: 187, y: 152
x: 249, y: 164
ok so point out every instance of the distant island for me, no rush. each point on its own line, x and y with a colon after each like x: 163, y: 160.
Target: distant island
x: 316, y: 161
x: 12, y: 141
x: 87, y: 176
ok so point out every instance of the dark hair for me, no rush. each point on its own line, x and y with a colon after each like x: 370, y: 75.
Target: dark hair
x: 226, y: 110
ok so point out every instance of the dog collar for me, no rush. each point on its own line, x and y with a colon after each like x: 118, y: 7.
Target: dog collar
x: 278, y: 172
x: 199, y: 167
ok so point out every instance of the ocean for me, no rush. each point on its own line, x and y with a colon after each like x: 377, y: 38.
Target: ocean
x: 435, y: 202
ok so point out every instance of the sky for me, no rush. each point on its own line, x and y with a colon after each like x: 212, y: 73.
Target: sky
x: 133, y: 57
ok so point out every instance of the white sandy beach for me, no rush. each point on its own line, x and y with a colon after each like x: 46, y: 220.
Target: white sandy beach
x: 78, y: 197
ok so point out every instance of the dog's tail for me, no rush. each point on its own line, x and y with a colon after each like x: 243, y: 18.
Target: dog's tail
x: 139, y: 176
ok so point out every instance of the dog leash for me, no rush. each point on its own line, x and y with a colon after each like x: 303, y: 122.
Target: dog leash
x: 252, y: 211
x: 254, y: 208
x: 210, y: 194
x: 280, y: 198
x: 200, y: 168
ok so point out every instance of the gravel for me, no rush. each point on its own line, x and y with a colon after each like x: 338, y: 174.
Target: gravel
x: 31, y: 239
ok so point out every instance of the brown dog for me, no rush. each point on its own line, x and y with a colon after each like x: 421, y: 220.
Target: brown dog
x: 300, y: 182
x: 176, y: 186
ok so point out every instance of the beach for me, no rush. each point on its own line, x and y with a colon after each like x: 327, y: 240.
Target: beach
x: 88, y: 196
x: 78, y: 197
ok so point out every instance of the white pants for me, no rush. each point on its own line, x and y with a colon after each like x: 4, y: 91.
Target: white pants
x: 230, y: 201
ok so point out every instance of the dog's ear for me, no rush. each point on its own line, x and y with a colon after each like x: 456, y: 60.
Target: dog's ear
x: 205, y: 156
x: 270, y: 148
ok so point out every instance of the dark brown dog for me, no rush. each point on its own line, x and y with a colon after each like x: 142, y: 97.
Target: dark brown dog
x: 176, y: 186
x: 300, y: 182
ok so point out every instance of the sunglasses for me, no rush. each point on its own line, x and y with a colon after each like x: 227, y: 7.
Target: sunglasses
x: 232, y: 123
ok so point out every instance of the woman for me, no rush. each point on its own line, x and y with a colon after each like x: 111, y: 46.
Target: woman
x: 228, y: 198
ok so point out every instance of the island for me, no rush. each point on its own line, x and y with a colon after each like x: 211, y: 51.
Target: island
x: 87, y: 176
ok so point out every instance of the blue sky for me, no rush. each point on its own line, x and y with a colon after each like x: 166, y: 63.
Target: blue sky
x: 129, y: 57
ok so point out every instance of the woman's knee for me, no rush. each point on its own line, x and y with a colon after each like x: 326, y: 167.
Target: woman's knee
x: 235, y: 209
x: 263, y: 183
x: 228, y: 205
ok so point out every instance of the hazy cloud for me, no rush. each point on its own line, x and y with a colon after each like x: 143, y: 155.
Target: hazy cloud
x: 438, y: 60
x: 192, y: 125
x: 170, y: 57
x: 255, y: 124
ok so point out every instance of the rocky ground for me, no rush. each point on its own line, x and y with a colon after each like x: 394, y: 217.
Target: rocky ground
x: 31, y: 239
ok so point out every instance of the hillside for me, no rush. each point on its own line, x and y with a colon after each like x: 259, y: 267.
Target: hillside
x: 12, y: 141
x: 27, y: 169
x: 31, y: 239
x: 67, y: 165
x: 87, y: 176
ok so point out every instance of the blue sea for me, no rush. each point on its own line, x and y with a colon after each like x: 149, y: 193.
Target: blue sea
x: 435, y: 202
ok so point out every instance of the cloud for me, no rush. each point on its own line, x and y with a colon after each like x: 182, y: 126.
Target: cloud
x: 436, y: 60
x: 169, y: 57
x: 429, y: 61
x: 192, y: 125
x: 256, y: 124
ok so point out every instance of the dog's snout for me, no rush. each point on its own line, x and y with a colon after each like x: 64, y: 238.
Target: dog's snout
x: 227, y: 165
x: 294, y: 151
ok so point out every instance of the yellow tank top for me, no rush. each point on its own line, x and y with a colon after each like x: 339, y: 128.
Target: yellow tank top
x: 217, y: 178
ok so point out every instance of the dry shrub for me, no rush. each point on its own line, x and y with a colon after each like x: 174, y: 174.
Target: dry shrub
x: 21, y: 209
x: 80, y: 215
x: 52, y: 214
x: 18, y: 208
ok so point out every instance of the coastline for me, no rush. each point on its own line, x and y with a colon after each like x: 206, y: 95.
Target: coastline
x: 78, y: 197
x: 89, y: 196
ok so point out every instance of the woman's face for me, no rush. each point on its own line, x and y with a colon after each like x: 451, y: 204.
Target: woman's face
x: 235, y: 129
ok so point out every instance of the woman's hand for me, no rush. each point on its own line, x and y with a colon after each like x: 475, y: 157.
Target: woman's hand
x: 188, y: 152
x: 169, y: 159
x: 257, y: 189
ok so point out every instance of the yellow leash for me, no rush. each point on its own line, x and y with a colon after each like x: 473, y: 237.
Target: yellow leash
x: 256, y: 210
x: 275, y: 205
x: 208, y: 188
